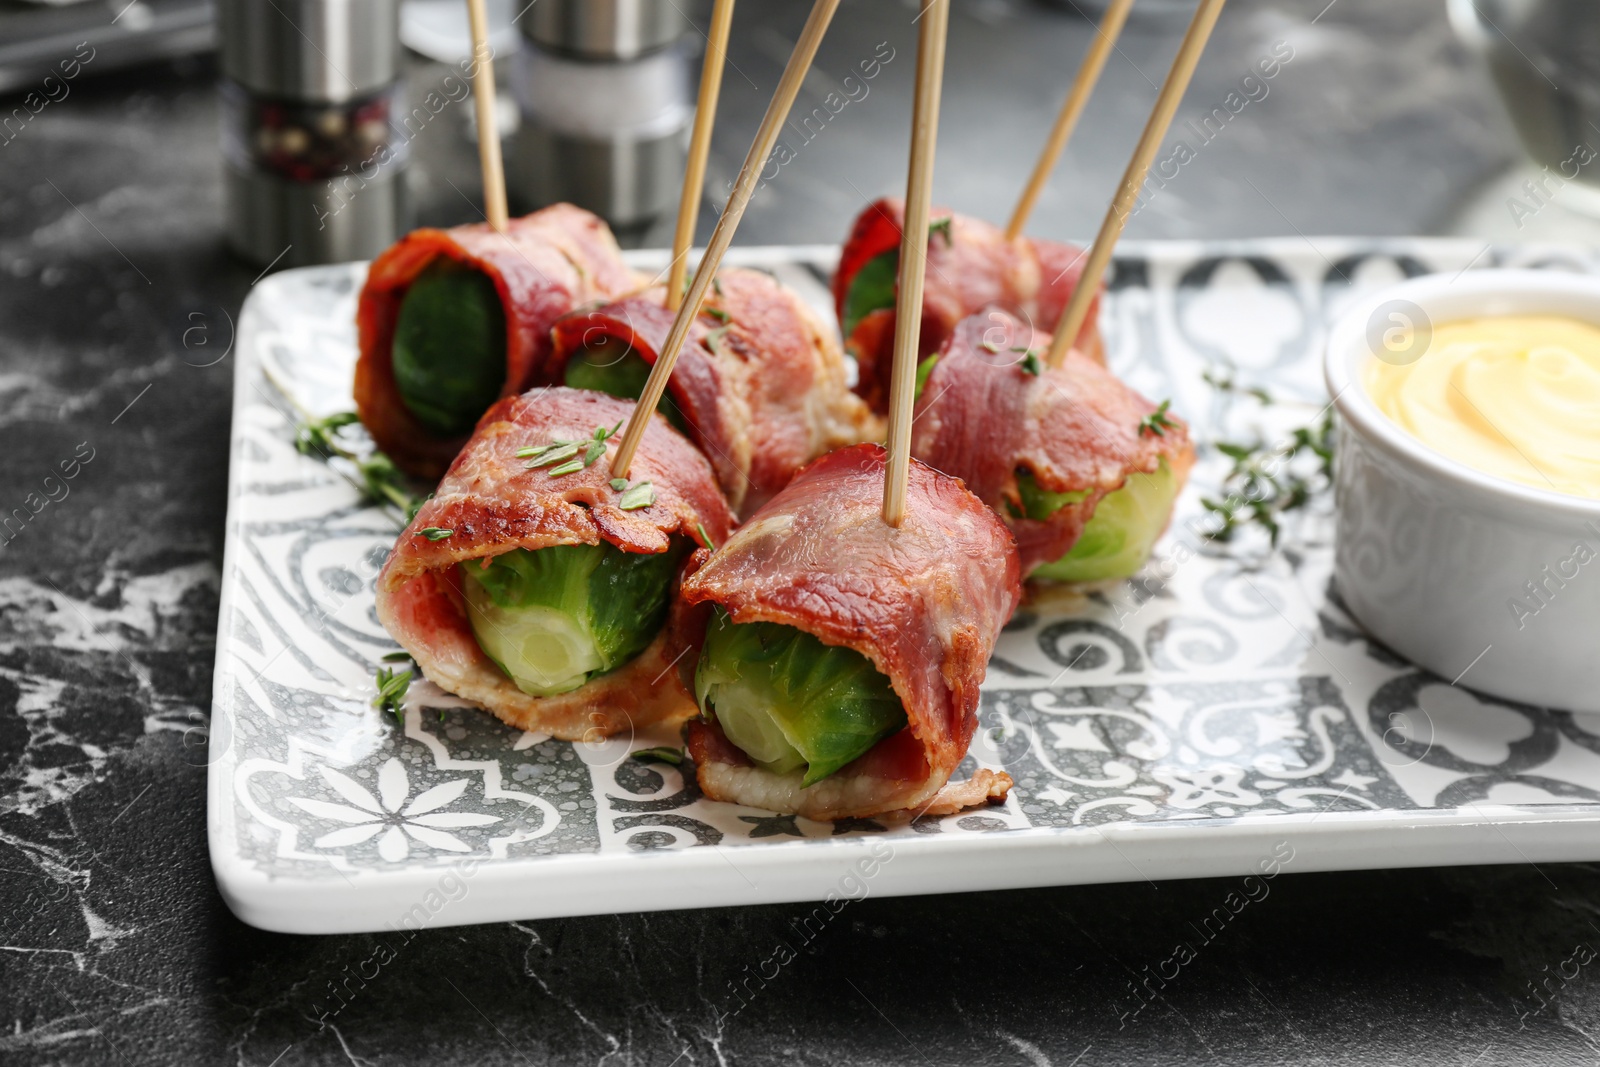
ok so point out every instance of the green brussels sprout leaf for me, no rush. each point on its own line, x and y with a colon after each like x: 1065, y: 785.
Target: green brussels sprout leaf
x: 788, y: 701
x: 449, y: 350
x: 872, y: 288
x: 610, y: 365
x: 1039, y: 504
x: 1119, y: 535
x: 556, y: 617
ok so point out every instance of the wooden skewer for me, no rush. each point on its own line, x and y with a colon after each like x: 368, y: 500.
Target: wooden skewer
x: 913, y: 253
x: 494, y: 175
x: 694, y: 173
x: 1194, y: 42
x: 1094, y: 62
x: 744, y: 187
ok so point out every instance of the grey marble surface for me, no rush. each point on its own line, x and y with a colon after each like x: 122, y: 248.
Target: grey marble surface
x: 115, y: 314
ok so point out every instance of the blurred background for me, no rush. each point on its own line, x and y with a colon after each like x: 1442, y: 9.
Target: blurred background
x: 142, y: 125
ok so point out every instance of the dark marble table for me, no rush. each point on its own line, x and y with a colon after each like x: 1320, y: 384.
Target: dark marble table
x: 114, y: 945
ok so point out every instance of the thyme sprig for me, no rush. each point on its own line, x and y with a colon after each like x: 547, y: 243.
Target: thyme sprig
x: 321, y: 436
x: 1227, y: 382
x: 1156, y: 424
x: 379, y: 480
x: 392, y: 686
x: 1266, y: 482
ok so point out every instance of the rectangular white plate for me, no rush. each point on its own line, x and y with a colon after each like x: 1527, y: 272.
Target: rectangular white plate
x: 1223, y: 718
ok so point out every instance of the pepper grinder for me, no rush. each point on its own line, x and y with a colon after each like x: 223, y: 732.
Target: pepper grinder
x: 314, y: 165
x: 606, y: 106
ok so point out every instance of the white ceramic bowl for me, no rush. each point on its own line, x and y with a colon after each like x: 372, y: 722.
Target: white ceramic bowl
x: 1433, y: 557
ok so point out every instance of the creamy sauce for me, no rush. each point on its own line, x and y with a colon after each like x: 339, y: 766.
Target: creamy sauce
x: 1517, y: 397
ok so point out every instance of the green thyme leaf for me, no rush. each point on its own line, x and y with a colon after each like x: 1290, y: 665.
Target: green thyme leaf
x: 396, y: 657
x: 717, y: 313
x: 1265, y: 482
x: 941, y: 227
x: 538, y: 450
x: 1157, y: 422
x: 596, y: 449
x: 1226, y: 383
x: 638, y: 496
x: 619, y: 484
x: 1030, y: 363
x: 557, y: 454
x: 572, y: 466
x: 392, y: 686
x: 705, y: 538
x: 378, y: 479
x: 382, y: 481
x: 318, y: 436
x: 433, y: 533
x: 661, y: 754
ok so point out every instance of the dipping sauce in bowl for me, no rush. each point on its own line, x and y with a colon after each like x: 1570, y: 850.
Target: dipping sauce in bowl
x: 1514, y: 396
x: 1467, y: 476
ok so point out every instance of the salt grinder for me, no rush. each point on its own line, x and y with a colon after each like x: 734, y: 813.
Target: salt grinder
x: 604, y: 89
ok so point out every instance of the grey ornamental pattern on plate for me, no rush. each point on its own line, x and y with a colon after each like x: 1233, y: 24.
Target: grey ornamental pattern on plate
x: 1226, y: 685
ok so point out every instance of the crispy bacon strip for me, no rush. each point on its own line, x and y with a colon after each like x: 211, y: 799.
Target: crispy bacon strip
x: 924, y: 602
x: 492, y: 504
x: 983, y: 416
x: 760, y: 380
x: 971, y: 265
x: 545, y: 265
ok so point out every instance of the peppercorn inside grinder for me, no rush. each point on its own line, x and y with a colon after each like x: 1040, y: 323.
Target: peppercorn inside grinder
x: 314, y: 172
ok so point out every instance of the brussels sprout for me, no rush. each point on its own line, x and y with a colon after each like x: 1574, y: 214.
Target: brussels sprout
x: 1119, y: 535
x: 610, y: 365
x: 1040, y: 504
x: 789, y: 701
x: 871, y: 289
x: 555, y: 617
x: 449, y: 351
x: 924, y: 371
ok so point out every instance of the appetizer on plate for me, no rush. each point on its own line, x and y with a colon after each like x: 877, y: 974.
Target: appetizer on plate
x: 839, y: 675
x: 1082, y: 469
x: 760, y: 384
x: 452, y: 320
x: 537, y: 587
x: 971, y: 266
